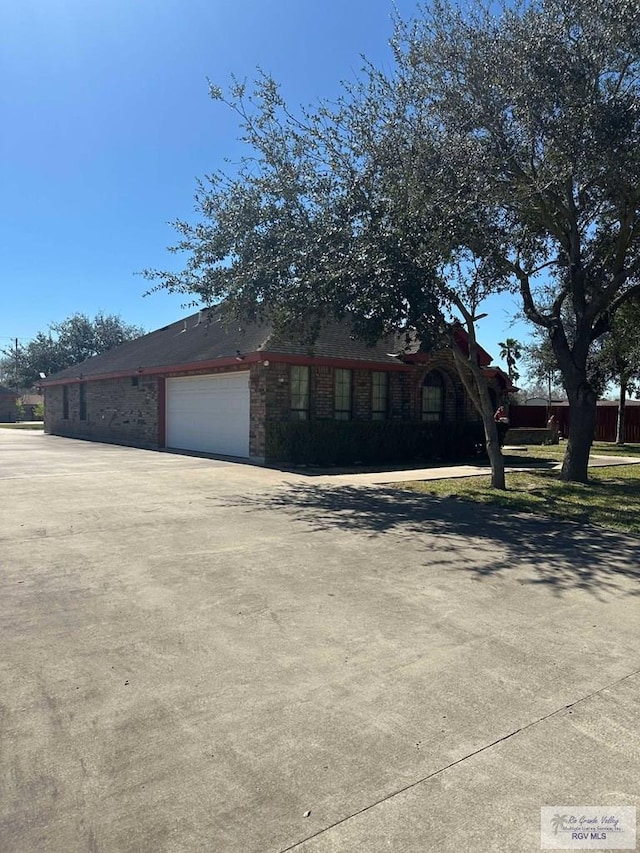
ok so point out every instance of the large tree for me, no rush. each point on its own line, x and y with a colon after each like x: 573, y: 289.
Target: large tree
x: 542, y: 104
x: 339, y: 212
x: 500, y: 150
x: 343, y: 212
x: 64, y: 344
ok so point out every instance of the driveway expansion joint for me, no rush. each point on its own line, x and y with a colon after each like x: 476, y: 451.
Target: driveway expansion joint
x: 461, y: 760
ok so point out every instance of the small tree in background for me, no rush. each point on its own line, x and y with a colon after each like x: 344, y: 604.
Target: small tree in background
x: 618, y: 358
x: 542, y: 367
x: 511, y: 352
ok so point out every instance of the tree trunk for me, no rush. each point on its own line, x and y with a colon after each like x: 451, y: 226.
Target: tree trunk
x: 621, y: 411
x: 572, y: 361
x: 496, y: 459
x: 475, y: 382
x: 582, y: 425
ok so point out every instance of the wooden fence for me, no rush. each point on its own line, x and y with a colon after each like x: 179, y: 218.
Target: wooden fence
x: 606, y: 418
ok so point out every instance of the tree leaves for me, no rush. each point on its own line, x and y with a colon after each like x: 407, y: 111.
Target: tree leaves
x: 66, y: 343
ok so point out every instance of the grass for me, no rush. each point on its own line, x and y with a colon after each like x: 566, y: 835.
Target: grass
x: 21, y: 426
x: 605, y: 448
x: 556, y: 451
x: 611, y: 500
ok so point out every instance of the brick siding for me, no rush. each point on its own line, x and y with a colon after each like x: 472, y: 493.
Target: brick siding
x: 322, y: 393
x: 123, y: 413
x: 455, y: 397
x: 8, y: 410
x: 117, y: 411
x: 361, y: 395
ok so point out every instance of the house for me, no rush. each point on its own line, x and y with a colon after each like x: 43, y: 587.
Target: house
x: 18, y: 405
x: 8, y: 409
x: 542, y: 401
x: 29, y: 405
x: 204, y: 386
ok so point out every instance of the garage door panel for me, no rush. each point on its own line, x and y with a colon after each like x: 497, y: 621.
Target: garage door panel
x: 209, y: 414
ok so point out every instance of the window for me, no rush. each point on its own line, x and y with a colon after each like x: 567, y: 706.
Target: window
x: 433, y: 397
x: 134, y: 381
x: 83, y: 401
x: 342, y: 395
x: 65, y: 402
x: 299, y: 393
x: 379, y: 395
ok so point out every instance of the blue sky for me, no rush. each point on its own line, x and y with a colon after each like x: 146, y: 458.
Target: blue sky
x: 106, y: 124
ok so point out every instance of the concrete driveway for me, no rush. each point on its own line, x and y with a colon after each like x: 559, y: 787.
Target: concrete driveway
x: 203, y: 656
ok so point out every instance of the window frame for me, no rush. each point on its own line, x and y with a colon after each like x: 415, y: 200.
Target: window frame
x: 82, y: 400
x: 65, y: 402
x: 299, y: 412
x: 342, y: 412
x: 379, y: 412
x: 432, y: 414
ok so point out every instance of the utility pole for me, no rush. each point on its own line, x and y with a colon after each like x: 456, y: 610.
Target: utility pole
x: 17, y: 367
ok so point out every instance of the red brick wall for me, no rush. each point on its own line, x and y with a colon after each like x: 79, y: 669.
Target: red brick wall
x: 405, y: 393
x: 361, y: 390
x: 322, y: 392
x: 120, y: 412
x: 457, y: 406
x: 8, y: 411
x: 117, y: 411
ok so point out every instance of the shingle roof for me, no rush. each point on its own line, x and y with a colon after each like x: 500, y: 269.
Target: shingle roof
x: 202, y: 337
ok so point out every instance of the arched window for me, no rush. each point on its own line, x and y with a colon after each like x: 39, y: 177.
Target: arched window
x: 433, y: 397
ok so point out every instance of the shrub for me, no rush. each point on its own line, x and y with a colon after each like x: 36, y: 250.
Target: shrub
x: 331, y: 442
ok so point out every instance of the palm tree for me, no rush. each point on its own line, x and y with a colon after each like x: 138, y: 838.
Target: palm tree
x: 557, y: 822
x: 511, y: 351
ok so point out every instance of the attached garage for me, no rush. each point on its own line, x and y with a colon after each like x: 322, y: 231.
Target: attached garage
x: 209, y: 413
x: 211, y: 384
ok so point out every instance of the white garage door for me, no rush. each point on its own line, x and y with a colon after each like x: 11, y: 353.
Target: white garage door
x: 209, y: 413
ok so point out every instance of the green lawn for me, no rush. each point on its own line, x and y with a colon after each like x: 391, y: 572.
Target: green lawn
x: 556, y: 451
x: 21, y: 426
x: 602, y: 448
x: 611, y: 500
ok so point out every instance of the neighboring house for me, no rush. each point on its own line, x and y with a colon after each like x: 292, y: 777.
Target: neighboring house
x: 29, y: 403
x: 8, y: 410
x: 542, y: 401
x: 18, y: 405
x: 201, y: 386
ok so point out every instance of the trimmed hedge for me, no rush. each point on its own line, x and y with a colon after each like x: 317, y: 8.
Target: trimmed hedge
x: 331, y: 442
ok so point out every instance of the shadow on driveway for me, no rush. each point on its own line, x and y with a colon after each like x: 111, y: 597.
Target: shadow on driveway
x: 488, y: 543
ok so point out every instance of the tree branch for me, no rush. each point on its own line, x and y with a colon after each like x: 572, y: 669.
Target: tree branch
x: 530, y: 310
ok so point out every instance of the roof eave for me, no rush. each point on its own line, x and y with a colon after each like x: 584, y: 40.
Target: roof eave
x: 232, y: 361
